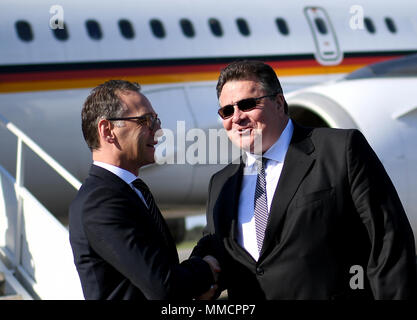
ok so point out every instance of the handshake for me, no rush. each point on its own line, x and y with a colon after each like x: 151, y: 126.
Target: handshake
x: 215, y: 269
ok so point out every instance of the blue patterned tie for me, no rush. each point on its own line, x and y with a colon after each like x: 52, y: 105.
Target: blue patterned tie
x: 260, y: 204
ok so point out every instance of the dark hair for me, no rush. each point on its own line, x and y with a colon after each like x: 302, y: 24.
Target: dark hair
x: 251, y: 70
x: 103, y: 102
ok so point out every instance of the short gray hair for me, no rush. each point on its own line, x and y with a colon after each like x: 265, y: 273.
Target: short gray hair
x: 102, y: 103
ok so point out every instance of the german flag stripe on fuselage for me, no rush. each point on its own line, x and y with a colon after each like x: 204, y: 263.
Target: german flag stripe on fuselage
x: 61, y: 76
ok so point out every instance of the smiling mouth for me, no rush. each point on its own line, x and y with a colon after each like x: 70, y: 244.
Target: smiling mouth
x: 244, y: 131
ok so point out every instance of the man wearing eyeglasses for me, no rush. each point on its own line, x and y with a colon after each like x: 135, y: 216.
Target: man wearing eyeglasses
x: 121, y: 244
x: 307, y: 213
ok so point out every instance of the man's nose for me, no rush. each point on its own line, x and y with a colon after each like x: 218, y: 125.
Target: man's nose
x: 237, y: 114
x: 158, y: 132
x: 157, y: 126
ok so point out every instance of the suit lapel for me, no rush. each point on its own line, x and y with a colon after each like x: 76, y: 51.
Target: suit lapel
x: 124, y: 188
x: 227, y: 201
x: 298, y: 161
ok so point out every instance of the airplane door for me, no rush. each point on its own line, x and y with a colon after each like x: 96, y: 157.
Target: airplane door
x: 327, y: 48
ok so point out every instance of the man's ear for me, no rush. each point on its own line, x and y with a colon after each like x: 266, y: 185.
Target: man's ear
x: 280, y: 100
x: 105, y: 131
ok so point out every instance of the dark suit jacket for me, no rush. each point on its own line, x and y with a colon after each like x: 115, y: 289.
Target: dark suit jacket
x: 118, y: 250
x: 334, y: 207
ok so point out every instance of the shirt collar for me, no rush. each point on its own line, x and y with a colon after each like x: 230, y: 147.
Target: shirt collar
x: 278, y: 150
x: 123, y: 174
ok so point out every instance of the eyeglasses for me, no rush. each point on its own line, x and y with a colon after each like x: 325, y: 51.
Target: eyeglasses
x: 243, y: 105
x: 150, y: 119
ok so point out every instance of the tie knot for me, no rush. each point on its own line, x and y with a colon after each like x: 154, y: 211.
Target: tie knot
x: 261, y: 163
x: 140, y: 185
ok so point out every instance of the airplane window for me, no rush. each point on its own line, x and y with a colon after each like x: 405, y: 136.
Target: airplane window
x: 369, y: 25
x: 282, y: 26
x: 24, y: 30
x: 243, y: 27
x: 321, y: 25
x: 93, y: 29
x: 126, y: 29
x: 187, y: 28
x: 61, y: 34
x: 158, y: 29
x: 390, y: 25
x: 215, y: 27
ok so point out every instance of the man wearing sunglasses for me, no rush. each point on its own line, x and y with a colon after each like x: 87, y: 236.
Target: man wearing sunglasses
x: 121, y: 244
x: 308, y: 213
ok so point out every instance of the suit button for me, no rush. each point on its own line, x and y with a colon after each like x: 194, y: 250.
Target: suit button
x: 259, y: 271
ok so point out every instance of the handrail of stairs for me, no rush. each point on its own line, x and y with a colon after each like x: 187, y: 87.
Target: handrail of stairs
x: 23, y: 138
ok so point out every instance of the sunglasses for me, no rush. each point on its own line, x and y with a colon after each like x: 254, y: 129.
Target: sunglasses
x: 243, y: 105
x: 150, y: 119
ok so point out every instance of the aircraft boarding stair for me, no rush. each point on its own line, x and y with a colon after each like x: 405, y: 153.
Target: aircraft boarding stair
x: 36, y: 260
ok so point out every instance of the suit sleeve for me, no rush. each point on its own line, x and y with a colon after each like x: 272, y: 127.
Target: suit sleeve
x: 210, y: 243
x: 125, y: 242
x: 391, y: 268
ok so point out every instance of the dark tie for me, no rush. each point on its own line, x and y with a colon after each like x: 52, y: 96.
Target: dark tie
x: 154, y: 211
x: 260, y: 204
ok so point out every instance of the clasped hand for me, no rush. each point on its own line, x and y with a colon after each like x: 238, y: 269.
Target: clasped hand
x: 215, y: 269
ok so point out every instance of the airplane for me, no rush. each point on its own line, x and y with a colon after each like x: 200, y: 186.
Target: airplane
x: 53, y: 55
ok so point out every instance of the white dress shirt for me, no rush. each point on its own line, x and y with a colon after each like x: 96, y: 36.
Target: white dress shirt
x: 123, y: 174
x: 246, y: 235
